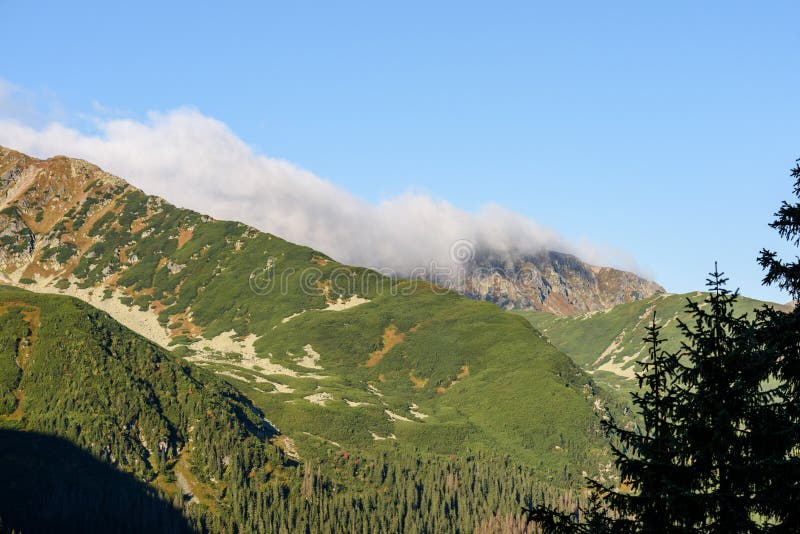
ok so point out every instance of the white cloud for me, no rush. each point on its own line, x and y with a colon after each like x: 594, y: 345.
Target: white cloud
x: 197, y: 162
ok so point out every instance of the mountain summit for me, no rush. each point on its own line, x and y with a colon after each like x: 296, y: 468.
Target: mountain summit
x: 551, y: 281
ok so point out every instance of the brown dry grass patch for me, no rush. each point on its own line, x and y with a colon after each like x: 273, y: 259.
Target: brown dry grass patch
x: 139, y: 224
x: 186, y: 326
x: 462, y: 374
x: 418, y: 382
x: 391, y: 338
x: 184, y: 236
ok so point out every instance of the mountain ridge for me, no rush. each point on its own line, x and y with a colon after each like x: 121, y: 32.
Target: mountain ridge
x: 545, y: 281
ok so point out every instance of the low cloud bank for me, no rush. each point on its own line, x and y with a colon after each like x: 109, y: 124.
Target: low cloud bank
x: 197, y: 162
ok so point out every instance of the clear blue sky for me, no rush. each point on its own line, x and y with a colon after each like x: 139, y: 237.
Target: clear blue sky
x: 666, y: 131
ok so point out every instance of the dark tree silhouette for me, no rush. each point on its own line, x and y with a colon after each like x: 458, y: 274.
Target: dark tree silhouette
x: 720, y: 389
x: 785, y: 274
x: 690, y: 465
x: 651, y: 460
x: 655, y: 479
x: 776, y: 428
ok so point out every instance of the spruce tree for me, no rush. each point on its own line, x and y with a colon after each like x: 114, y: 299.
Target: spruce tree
x: 785, y: 274
x: 777, y: 428
x: 690, y: 466
x: 650, y: 459
x: 719, y: 451
x: 720, y: 390
x: 775, y: 424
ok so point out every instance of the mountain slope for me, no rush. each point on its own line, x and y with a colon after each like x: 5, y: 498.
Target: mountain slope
x: 74, y: 372
x: 97, y: 411
x: 608, y: 344
x: 338, y: 357
x: 552, y: 282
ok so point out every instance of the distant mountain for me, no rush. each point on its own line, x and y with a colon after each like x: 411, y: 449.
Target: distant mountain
x: 552, y: 282
x: 336, y: 357
x: 608, y: 344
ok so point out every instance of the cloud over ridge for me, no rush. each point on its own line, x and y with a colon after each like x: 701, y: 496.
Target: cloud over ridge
x: 197, y: 162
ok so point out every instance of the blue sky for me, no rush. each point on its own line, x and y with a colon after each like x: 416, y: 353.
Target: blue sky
x: 663, y: 131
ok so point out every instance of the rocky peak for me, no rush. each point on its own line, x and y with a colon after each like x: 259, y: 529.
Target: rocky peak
x: 551, y: 281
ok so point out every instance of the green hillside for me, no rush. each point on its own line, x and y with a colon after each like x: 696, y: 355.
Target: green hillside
x: 73, y: 372
x: 101, y: 417
x: 337, y: 357
x: 608, y: 344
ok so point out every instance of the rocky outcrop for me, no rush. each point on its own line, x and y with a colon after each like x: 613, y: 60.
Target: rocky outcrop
x: 550, y: 281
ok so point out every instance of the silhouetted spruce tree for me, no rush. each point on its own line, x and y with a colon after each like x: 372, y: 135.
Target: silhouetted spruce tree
x: 785, y: 274
x: 776, y: 428
x: 720, y: 447
x: 721, y: 389
x: 651, y: 460
x: 775, y: 423
x: 692, y: 466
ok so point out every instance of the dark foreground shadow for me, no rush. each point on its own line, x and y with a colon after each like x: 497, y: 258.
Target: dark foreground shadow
x: 48, y: 485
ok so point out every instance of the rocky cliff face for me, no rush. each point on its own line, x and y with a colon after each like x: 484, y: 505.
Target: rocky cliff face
x: 552, y: 282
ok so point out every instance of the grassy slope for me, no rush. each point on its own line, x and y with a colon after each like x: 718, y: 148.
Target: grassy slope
x: 513, y: 387
x: 486, y: 382
x: 587, y: 337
